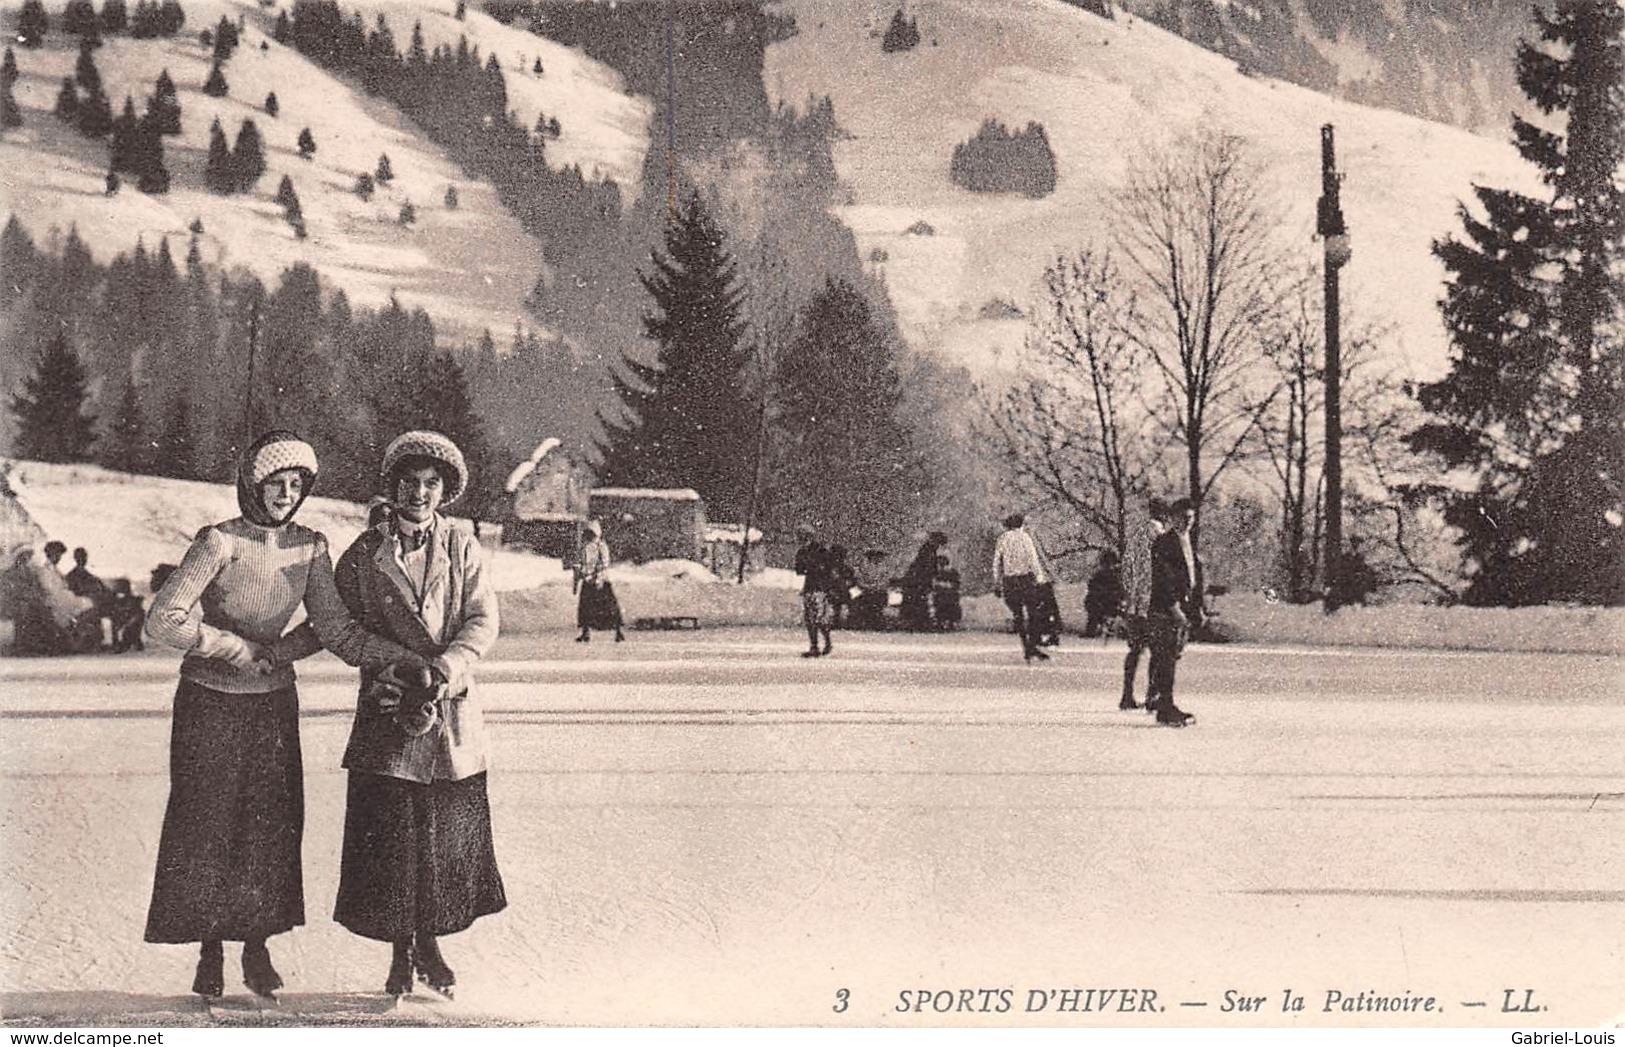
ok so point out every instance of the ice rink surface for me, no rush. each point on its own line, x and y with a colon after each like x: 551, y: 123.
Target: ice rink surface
x: 704, y: 828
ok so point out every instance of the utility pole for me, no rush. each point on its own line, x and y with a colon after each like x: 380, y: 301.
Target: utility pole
x: 1334, y: 235
x: 253, y: 343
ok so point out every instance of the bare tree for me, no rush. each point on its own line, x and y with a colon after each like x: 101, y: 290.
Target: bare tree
x: 1072, y: 431
x: 1377, y: 415
x: 1196, y: 231
x: 770, y: 318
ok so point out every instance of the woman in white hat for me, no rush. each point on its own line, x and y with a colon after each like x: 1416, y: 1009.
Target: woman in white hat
x: 229, y: 857
x: 418, y: 860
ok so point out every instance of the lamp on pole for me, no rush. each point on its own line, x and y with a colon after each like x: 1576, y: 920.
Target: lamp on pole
x: 1334, y: 235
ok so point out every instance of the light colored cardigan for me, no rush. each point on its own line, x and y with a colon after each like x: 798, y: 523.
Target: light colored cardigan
x: 454, y: 626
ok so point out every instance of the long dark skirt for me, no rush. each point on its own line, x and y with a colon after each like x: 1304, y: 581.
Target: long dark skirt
x: 229, y: 858
x: 597, y: 607
x: 416, y: 857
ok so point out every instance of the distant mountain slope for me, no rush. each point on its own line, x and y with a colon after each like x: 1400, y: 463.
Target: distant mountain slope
x: 1101, y: 88
x: 471, y: 267
x: 1446, y: 60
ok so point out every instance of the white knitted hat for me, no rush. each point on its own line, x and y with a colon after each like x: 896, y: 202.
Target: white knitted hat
x: 281, y: 454
x: 421, y: 443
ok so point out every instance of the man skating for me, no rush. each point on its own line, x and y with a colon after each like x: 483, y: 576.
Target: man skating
x: 1018, y: 571
x: 1176, y: 604
x: 817, y: 613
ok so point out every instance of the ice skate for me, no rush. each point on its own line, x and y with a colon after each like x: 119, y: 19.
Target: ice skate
x: 259, y: 976
x: 1171, y: 715
x: 210, y: 980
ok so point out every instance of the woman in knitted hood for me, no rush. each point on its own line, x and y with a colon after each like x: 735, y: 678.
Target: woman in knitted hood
x: 418, y: 861
x: 229, y: 859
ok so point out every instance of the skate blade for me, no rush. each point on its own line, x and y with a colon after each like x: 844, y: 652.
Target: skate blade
x: 237, y: 1008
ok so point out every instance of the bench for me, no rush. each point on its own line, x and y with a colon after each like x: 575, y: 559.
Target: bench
x: 667, y: 621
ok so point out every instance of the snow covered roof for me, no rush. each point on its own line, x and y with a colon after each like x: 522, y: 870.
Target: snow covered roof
x: 671, y: 494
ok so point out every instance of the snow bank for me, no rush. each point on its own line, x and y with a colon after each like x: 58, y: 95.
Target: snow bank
x: 130, y: 524
x: 662, y: 571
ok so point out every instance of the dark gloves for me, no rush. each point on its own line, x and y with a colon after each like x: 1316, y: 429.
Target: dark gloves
x: 411, y: 694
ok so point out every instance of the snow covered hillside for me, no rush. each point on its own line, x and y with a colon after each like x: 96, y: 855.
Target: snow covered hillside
x: 1102, y: 89
x: 470, y: 267
x: 130, y: 524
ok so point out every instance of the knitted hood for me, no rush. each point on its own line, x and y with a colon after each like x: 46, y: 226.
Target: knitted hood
x: 270, y: 454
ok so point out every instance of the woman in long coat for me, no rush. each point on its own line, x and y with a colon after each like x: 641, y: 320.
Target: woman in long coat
x: 229, y: 857
x: 596, y: 607
x: 418, y: 861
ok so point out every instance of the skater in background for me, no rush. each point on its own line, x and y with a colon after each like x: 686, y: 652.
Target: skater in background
x: 47, y: 618
x: 1018, y: 571
x: 1133, y: 626
x: 1175, y: 607
x: 229, y: 861
x: 418, y: 860
x: 1103, y: 600
x: 946, y: 609
x: 113, y: 603
x: 842, y: 580
x: 83, y: 583
x: 812, y: 563
x: 596, y: 604
x: 918, y: 582
x: 868, y: 610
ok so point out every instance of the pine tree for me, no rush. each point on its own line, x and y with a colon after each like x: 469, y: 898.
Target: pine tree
x: 170, y: 17
x: 272, y: 106
x: 85, y: 72
x: 1534, y: 394
x: 218, y: 173
x: 112, y: 183
x: 408, y: 214
x: 364, y: 186
x: 10, y: 115
x: 225, y: 41
x: 842, y: 459
x: 67, y: 102
x: 286, y: 198
x: 124, y: 445
x: 385, y: 173
x: 164, y: 106
x: 115, y: 16
x: 307, y: 144
x: 78, y: 18
x: 122, y: 145
x: 451, y: 198
x: 692, y: 425
x: 462, y: 10
x: 177, y: 452
x: 248, y: 156
x: 537, y: 67
x: 32, y: 24
x: 283, y: 28
x: 215, y: 86
x: 95, y: 115
x: 152, y: 175
x: 52, y: 423
x: 903, y: 34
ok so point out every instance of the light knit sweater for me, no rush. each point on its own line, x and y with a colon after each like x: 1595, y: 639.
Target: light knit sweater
x: 249, y: 581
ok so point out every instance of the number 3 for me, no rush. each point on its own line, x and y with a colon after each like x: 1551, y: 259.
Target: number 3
x: 841, y: 998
